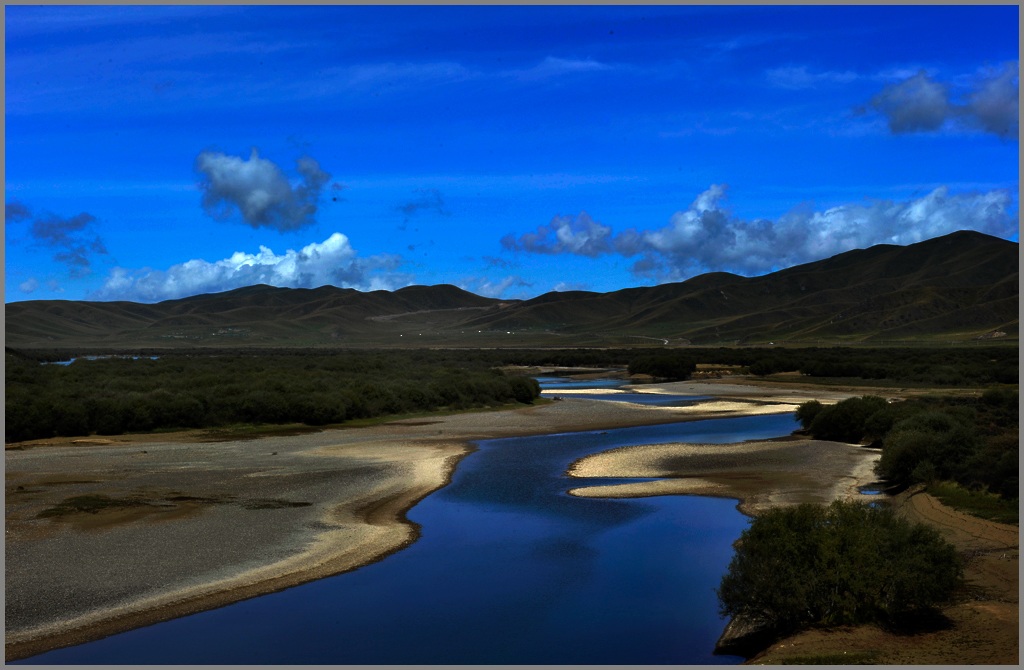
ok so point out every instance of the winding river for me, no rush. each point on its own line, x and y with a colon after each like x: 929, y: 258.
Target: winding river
x: 510, y: 569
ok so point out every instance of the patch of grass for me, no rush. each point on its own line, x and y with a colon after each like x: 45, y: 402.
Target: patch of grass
x: 272, y: 503
x: 837, y: 658
x: 90, y: 504
x: 245, y: 431
x: 378, y: 420
x: 981, y: 504
x: 857, y: 382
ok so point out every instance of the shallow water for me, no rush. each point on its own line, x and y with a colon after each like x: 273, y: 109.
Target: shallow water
x: 564, y: 387
x: 509, y: 569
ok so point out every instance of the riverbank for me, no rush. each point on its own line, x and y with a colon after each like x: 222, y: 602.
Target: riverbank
x: 113, y: 533
x: 140, y: 529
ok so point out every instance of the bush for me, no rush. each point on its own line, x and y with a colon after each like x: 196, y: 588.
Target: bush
x: 806, y: 412
x: 846, y: 420
x: 664, y: 364
x: 843, y: 564
x: 927, y: 446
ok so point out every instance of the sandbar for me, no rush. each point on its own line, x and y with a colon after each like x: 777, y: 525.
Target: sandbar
x: 760, y: 474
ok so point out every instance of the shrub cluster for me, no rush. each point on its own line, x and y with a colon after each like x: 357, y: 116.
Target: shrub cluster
x: 670, y: 365
x: 117, y: 395
x: 972, y: 441
x: 978, y: 365
x: 960, y: 366
x: 847, y: 563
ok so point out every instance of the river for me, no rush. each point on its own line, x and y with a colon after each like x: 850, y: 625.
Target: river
x: 509, y: 569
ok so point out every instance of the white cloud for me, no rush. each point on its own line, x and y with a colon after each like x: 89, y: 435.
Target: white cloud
x: 565, y: 234
x: 29, y: 285
x: 800, y: 77
x: 73, y: 240
x: 564, y: 286
x: 558, y: 67
x: 920, y: 103
x: 706, y: 237
x: 915, y: 104
x: 332, y: 261
x: 374, y: 75
x: 259, y: 190
x: 494, y: 288
x: 994, y: 104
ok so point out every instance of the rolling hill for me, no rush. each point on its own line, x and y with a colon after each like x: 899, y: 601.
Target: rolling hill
x: 959, y: 287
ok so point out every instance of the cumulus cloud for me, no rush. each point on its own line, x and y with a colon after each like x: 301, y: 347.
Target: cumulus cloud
x: 259, y: 190
x: 994, y: 104
x: 333, y: 261
x: 565, y: 234
x: 920, y: 103
x: 915, y: 104
x: 73, y: 239
x: 707, y: 237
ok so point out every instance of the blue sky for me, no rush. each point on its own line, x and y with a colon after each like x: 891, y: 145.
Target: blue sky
x: 159, y: 152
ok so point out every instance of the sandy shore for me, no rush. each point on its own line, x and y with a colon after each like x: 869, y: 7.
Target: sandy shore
x: 760, y: 474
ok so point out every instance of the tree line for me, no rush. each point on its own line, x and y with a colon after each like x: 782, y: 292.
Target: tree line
x: 974, y: 366
x: 971, y: 441
x: 118, y: 395
x: 212, y: 387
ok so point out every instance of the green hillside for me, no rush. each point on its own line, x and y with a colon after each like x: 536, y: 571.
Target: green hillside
x: 959, y: 287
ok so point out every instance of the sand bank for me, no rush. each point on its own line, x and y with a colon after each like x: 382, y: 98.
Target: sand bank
x: 760, y: 474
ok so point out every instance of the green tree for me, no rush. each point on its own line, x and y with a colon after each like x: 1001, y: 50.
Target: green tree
x: 843, y: 564
x: 806, y: 412
x: 846, y: 420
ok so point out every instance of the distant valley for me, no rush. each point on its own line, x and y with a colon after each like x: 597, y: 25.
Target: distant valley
x: 960, y: 287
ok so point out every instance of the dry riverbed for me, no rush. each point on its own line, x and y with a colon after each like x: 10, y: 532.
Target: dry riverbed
x: 104, y: 535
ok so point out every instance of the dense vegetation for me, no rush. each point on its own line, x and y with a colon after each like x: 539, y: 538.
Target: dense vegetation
x: 843, y: 564
x: 217, y: 387
x: 975, y: 366
x: 663, y: 364
x: 971, y: 441
x: 961, y: 366
x: 116, y: 395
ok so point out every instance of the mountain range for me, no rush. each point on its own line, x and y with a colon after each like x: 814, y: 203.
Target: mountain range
x: 959, y: 287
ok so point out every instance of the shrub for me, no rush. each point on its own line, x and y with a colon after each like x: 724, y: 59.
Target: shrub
x: 664, y: 364
x: 846, y: 420
x: 927, y: 446
x: 843, y: 564
x: 806, y: 412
